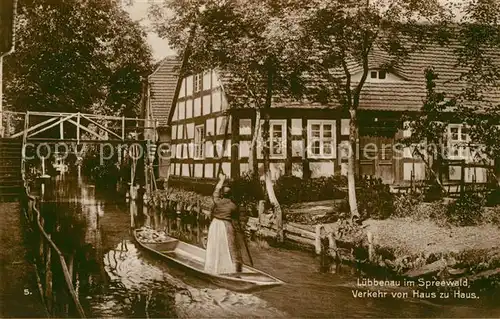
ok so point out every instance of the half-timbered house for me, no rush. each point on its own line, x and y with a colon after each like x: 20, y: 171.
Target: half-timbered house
x: 307, y: 138
x: 160, y: 95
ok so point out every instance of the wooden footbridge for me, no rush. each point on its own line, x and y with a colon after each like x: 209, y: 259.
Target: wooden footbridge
x: 20, y: 129
x: 75, y: 127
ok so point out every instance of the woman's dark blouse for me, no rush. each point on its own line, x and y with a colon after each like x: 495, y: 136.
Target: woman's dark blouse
x: 224, y: 208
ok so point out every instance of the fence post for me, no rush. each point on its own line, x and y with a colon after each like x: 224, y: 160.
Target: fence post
x: 198, y: 220
x: 78, y: 128
x: 123, y: 127
x: 178, y: 216
x: 48, y: 277
x: 61, y: 129
x: 260, y: 210
x: 462, y: 178
x: 317, y: 239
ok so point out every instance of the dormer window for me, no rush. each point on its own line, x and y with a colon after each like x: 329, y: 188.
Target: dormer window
x: 381, y: 75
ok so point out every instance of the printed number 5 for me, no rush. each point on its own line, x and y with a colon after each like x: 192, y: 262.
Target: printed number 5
x: 27, y: 292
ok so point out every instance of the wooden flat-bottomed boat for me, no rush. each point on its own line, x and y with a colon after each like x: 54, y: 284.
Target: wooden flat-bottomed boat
x: 192, y: 259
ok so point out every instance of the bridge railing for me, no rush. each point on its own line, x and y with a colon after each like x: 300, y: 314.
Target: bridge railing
x: 75, y: 126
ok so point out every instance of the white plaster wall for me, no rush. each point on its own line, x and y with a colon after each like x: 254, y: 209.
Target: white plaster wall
x: 209, y: 149
x: 296, y: 126
x: 190, y: 130
x: 209, y: 171
x: 207, y: 77
x: 244, y: 168
x: 174, y: 132
x: 180, y: 131
x: 216, y: 101
x: 185, y: 169
x: 198, y: 170
x: 206, y: 104
x: 189, y: 85
x: 320, y: 169
x: 244, y: 149
x: 181, y: 106
x: 419, y: 171
x: 197, y: 106
x: 189, y: 110
x: 210, y: 127
x: 182, y: 92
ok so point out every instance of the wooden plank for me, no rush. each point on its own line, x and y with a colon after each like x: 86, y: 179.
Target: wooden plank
x: 298, y: 231
x: 298, y: 239
x: 86, y: 129
x: 106, y: 130
x: 34, y: 127
x: 67, y: 118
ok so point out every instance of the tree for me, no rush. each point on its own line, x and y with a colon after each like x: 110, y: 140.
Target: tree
x: 339, y: 34
x: 76, y: 56
x: 478, y: 36
x: 249, y: 42
x: 429, y: 126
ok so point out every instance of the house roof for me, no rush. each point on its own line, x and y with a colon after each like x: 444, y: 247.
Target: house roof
x: 405, y: 95
x: 163, y: 82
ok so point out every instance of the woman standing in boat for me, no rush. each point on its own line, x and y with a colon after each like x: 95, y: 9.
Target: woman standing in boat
x: 223, y: 254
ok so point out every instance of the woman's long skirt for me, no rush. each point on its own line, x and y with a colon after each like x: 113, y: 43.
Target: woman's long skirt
x: 222, y: 252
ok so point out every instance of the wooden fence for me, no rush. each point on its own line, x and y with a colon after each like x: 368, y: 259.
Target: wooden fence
x: 453, y: 188
x: 54, y: 276
x: 189, y: 221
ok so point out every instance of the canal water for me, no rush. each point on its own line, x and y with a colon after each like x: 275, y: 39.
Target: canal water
x: 114, y: 278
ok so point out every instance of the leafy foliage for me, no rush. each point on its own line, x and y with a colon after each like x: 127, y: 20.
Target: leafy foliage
x: 246, y: 190
x: 375, y: 199
x: 493, y: 198
x: 466, y: 211
x: 433, y: 193
x: 405, y: 204
x: 75, y: 55
x: 104, y: 172
x: 339, y: 34
x: 428, y: 127
x: 478, y: 35
x: 291, y: 189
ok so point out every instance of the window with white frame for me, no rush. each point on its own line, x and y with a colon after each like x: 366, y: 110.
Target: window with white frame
x: 458, y: 140
x: 199, y: 142
x: 277, y: 138
x: 321, y: 137
x: 198, y: 80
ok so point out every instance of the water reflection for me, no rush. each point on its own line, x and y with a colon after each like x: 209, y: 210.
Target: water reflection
x: 114, y: 278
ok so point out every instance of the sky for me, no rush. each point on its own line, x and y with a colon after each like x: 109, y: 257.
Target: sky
x: 138, y: 10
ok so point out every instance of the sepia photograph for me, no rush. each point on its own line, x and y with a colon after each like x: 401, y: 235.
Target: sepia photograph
x: 250, y: 158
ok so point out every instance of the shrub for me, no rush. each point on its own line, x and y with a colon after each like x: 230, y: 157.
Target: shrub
x: 466, y: 211
x: 374, y: 199
x: 246, y: 190
x: 412, y: 205
x: 291, y: 189
x: 406, y: 204
x: 491, y: 215
x: 493, y: 198
x: 433, y: 193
